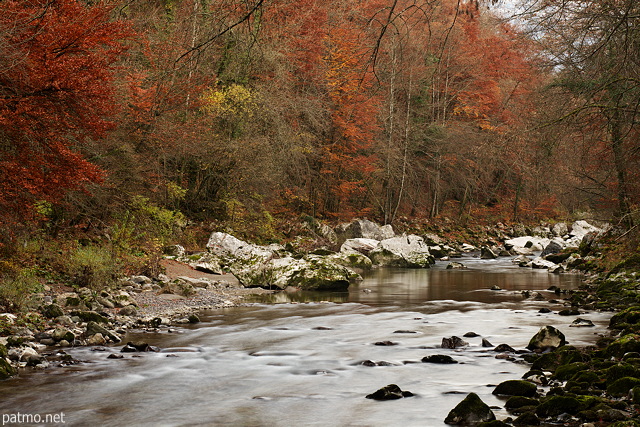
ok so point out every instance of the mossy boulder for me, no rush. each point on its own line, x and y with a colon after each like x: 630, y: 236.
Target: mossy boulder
x: 625, y: 344
x: 515, y: 402
x: 622, y: 386
x: 402, y: 251
x: 6, y: 370
x: 351, y: 260
x: 51, y: 311
x: 516, y: 388
x: 621, y: 370
x: 472, y: 410
x: 309, y: 273
x: 630, y: 316
x: 90, y: 316
x: 527, y: 419
x: 566, y: 372
x: 556, y: 405
x: 3, y: 351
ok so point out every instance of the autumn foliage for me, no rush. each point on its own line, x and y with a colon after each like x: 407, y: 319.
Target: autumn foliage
x: 57, y: 71
x: 241, y: 110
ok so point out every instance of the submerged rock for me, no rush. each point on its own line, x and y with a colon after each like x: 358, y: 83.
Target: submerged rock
x: 390, y: 392
x: 472, y: 410
x: 455, y: 266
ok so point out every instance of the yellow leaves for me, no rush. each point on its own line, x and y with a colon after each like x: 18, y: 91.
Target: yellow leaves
x: 232, y: 100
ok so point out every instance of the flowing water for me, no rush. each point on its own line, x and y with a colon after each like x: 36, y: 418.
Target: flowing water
x: 298, y: 363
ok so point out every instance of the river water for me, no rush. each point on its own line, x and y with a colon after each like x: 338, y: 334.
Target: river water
x: 298, y: 362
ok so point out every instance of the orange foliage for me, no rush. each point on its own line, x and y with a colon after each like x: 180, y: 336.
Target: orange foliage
x: 56, y: 91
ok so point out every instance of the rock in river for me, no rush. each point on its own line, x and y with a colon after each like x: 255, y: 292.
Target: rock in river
x: 547, y: 337
x: 390, y: 392
x: 472, y: 410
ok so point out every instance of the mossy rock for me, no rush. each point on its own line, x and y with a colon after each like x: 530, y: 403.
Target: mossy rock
x: 51, y: 311
x: 621, y: 370
x: 527, y: 419
x: 556, y: 405
x: 472, y: 410
x: 515, y: 402
x: 3, y: 351
x: 622, y: 386
x: 566, y: 372
x: 6, y: 370
x: 516, y: 388
x: 625, y: 344
x: 587, y: 376
x: 632, y: 263
x: 630, y: 316
x: 635, y: 394
x: 90, y: 316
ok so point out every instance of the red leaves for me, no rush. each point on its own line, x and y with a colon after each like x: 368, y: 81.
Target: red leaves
x: 55, y: 91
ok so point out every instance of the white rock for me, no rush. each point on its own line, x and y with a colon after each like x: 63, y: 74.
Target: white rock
x: 361, y: 245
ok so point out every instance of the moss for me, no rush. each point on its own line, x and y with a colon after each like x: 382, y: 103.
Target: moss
x: 621, y: 370
x: 515, y: 402
x: 6, y: 370
x: 566, y: 372
x: 622, y: 386
x: 89, y: 316
x: 625, y: 344
x: 527, y: 419
x: 556, y: 405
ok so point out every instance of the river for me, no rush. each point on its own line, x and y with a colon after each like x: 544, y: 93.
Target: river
x: 298, y: 362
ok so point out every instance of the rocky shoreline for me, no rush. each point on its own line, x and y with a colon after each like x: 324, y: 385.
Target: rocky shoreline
x: 594, y: 386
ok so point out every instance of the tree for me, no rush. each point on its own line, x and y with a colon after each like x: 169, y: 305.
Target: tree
x: 57, y: 69
x: 593, y: 49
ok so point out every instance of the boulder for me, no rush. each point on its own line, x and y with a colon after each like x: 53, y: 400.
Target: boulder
x: 552, y: 248
x: 60, y: 334
x: 363, y: 228
x: 353, y: 260
x: 51, y: 311
x: 527, y: 242
x: 516, y: 388
x: 402, y: 251
x: 359, y: 245
x: 228, y: 247
x: 560, y: 229
x: 94, y: 328
x: 309, y: 273
x: 487, y: 253
x: 453, y: 342
x: 390, y: 392
x: 541, y: 263
x: 439, y: 358
x: 547, y: 337
x: 471, y: 411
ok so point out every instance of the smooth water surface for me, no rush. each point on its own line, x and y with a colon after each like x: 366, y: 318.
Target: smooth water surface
x: 299, y: 364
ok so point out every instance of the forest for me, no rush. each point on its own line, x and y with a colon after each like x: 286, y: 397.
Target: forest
x: 125, y: 123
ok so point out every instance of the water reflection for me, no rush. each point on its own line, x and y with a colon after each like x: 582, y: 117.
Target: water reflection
x: 393, y: 286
